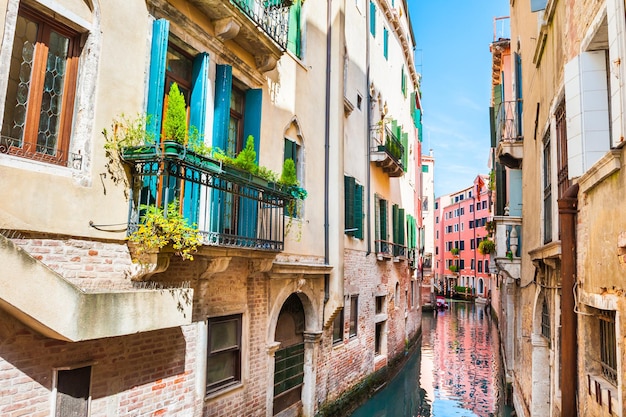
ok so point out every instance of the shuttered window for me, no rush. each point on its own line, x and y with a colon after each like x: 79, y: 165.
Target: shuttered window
x: 372, y: 18
x: 294, y: 36
x: 386, y: 43
x: 353, y: 194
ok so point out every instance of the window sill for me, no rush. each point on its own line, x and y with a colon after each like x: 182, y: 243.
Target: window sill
x: 227, y: 390
x: 606, y: 390
x: 35, y: 166
x: 606, y: 166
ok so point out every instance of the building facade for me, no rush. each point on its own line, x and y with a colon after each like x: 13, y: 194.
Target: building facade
x: 563, y: 331
x: 288, y: 284
x: 463, y: 218
x: 428, y: 216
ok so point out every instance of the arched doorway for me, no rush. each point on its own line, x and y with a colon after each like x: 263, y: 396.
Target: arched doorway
x: 289, y: 359
x: 481, y: 287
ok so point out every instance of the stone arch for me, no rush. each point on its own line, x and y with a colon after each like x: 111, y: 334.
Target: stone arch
x: 541, y: 369
x: 297, y: 301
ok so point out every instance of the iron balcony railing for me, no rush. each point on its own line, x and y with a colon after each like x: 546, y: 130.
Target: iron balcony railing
x: 390, y: 250
x: 508, y: 122
x: 229, y: 207
x: 271, y: 16
x: 44, y: 153
x: 393, y: 146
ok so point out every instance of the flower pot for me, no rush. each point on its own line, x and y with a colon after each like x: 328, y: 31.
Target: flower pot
x: 139, y: 153
x: 173, y: 149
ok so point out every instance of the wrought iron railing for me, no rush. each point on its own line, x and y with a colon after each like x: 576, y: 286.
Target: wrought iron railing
x: 48, y: 154
x: 390, y: 249
x: 272, y: 16
x: 229, y: 207
x: 508, y: 127
x: 393, y: 146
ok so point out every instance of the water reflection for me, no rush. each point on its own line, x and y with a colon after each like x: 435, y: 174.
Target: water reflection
x: 457, y: 371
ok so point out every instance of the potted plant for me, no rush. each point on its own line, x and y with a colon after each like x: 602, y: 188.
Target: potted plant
x: 129, y: 138
x: 175, y: 122
x: 159, y: 228
x: 454, y: 251
x: 454, y: 269
x: 486, y: 246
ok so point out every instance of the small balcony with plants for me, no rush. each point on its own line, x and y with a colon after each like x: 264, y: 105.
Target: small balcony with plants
x: 185, y: 196
x: 508, y: 244
x: 508, y: 132
x: 260, y: 27
x: 388, y: 148
x: 386, y: 250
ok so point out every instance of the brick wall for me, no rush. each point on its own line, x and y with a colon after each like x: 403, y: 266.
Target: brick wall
x: 140, y: 375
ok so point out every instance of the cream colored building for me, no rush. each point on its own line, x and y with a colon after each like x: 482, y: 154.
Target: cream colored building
x: 565, y: 356
x: 257, y: 322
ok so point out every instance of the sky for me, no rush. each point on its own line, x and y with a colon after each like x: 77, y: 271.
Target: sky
x: 452, y: 53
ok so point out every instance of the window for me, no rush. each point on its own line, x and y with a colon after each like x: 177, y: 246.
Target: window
x: 380, y: 304
x: 403, y: 82
x: 472, y: 244
x: 462, y: 245
x: 561, y: 144
x: 462, y: 264
x: 425, y: 204
x: 545, y: 319
x: 224, y: 352
x: 73, y: 392
x: 608, y: 351
x: 484, y: 205
x: 425, y: 169
x: 380, y: 232
x: 477, y: 206
x: 39, y: 105
x: 436, y: 205
x: 471, y: 224
x: 378, y: 338
x: 293, y: 151
x: 456, y: 227
x: 338, y: 328
x: 353, y: 208
x: 547, y: 190
x: 486, y: 262
x: 354, y: 315
x: 473, y: 264
x: 398, y: 230
x: 480, y: 266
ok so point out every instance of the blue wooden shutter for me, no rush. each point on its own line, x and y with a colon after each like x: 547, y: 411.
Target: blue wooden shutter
x: 358, y: 211
x: 252, y: 118
x: 221, y: 117
x: 372, y: 18
x: 197, y: 119
x: 156, y: 80
x: 386, y: 43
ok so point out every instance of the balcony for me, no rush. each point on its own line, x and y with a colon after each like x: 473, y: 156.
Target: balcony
x: 389, y: 250
x: 231, y: 208
x: 508, y: 238
x: 509, y: 138
x: 387, y: 151
x: 258, y: 26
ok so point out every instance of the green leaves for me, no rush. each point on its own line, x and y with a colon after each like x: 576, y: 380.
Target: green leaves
x: 158, y: 230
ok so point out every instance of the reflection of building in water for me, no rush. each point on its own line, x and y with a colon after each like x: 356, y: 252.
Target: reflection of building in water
x: 464, y: 353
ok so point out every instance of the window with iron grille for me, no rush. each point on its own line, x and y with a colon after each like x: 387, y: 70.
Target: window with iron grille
x: 608, y: 351
x: 41, y: 88
x: 547, y: 190
x: 561, y: 143
x: 545, y: 319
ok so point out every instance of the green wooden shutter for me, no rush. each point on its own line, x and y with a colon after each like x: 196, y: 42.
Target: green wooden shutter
x: 358, y: 211
x: 383, y: 220
x: 294, y: 35
x: 405, y: 153
x: 401, y: 233
x: 349, y: 195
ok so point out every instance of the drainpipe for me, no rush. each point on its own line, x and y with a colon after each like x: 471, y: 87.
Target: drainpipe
x: 327, y: 134
x: 568, y: 207
x: 368, y: 127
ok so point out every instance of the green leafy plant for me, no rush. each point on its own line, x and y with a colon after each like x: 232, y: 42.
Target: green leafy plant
x: 486, y: 246
x: 288, y: 175
x: 246, y: 158
x: 127, y: 131
x: 490, y: 227
x: 509, y: 255
x: 175, y: 121
x: 268, y: 174
x: 454, y: 251
x: 454, y: 268
x: 159, y: 228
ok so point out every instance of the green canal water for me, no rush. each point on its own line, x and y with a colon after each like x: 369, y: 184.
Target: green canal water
x: 457, y: 371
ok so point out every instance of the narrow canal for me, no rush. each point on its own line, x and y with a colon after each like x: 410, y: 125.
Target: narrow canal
x: 456, y: 372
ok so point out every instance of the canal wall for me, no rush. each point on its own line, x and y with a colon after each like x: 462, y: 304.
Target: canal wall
x: 360, y: 392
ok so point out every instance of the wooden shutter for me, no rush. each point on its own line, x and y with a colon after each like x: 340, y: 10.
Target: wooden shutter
x: 349, y: 196
x: 358, y: 211
x: 252, y: 118
x: 372, y: 18
x: 156, y: 80
x: 221, y: 118
x: 294, y: 36
x: 199, y: 93
x: 383, y: 220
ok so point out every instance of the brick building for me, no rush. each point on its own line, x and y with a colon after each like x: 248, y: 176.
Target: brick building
x: 288, y: 303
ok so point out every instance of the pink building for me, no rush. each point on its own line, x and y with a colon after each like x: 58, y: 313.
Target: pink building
x: 461, y: 223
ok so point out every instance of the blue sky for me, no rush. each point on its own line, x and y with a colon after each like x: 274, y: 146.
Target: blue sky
x: 452, y: 54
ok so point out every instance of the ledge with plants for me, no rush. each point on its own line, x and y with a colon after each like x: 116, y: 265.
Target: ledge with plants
x: 487, y: 246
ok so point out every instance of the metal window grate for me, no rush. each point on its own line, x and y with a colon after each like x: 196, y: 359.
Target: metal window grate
x: 608, y: 352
